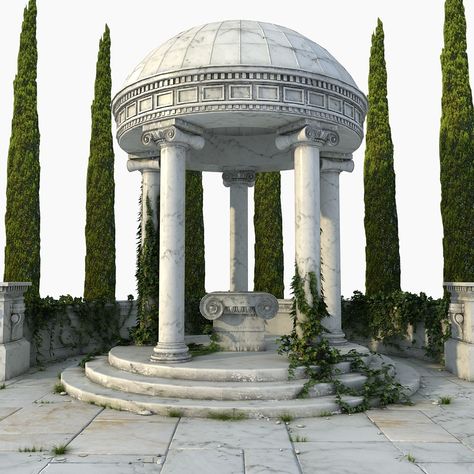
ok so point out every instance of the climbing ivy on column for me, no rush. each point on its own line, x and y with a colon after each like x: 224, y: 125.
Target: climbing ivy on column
x: 99, y: 281
x: 195, y: 269
x: 456, y: 147
x: 382, y: 253
x: 22, y: 217
x: 268, y: 271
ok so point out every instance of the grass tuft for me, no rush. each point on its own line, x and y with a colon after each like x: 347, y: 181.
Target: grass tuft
x: 174, y: 413
x: 227, y: 416
x: 410, y: 458
x: 33, y: 449
x: 298, y: 439
x: 58, y: 388
x: 60, y: 449
x: 286, y: 417
x: 445, y: 400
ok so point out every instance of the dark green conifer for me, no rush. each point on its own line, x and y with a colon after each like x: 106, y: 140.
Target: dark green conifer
x: 99, y: 281
x: 382, y: 253
x: 22, y: 217
x: 268, y: 272
x: 457, y: 149
x: 195, y: 270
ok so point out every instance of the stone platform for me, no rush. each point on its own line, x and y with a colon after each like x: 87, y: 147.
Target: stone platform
x: 234, y: 383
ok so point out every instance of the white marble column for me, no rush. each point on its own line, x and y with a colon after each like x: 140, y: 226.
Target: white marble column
x: 150, y: 170
x: 238, y: 182
x: 174, y: 144
x: 306, y: 144
x: 330, y: 243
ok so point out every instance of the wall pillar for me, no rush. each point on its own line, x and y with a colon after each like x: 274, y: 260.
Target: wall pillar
x: 238, y: 182
x: 331, y: 244
x: 14, y: 348
x: 174, y: 144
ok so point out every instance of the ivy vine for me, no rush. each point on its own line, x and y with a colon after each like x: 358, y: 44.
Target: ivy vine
x: 386, y: 318
x: 307, y: 347
x: 77, y: 324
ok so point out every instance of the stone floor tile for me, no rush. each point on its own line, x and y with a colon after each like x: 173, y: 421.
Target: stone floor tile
x: 353, y: 458
x: 22, y: 463
x: 205, y: 433
x: 111, y: 415
x: 437, y: 452
x: 356, y: 427
x: 115, y: 468
x: 409, y: 426
x: 125, y: 437
x: 50, y: 418
x: 7, y: 411
x: 274, y: 461
x: 208, y: 461
x: 43, y: 441
x: 448, y: 468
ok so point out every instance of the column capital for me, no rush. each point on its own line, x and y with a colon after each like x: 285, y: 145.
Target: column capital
x: 307, y: 135
x: 337, y: 165
x: 172, y: 136
x: 143, y: 164
x: 238, y: 177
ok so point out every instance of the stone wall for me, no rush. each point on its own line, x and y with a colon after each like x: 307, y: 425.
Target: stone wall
x: 61, y: 343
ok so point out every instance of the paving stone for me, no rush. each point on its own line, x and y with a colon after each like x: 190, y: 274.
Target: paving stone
x: 274, y: 461
x: 116, y: 468
x: 111, y: 415
x: 445, y: 468
x: 337, y: 428
x: 7, y: 411
x: 121, y: 436
x: 409, y: 426
x: 437, y: 452
x: 25, y: 440
x: 49, y: 418
x: 245, y: 434
x: 22, y: 463
x: 209, y: 461
x: 353, y: 458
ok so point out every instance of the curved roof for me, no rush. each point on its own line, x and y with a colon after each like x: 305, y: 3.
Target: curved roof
x: 240, y: 43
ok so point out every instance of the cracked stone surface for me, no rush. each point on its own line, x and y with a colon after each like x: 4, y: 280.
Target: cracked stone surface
x: 426, y: 437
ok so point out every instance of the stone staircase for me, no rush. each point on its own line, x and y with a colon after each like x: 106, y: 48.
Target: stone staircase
x: 250, y: 384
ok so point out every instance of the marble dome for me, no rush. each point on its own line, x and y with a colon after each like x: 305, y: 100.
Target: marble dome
x: 240, y: 43
x: 239, y: 84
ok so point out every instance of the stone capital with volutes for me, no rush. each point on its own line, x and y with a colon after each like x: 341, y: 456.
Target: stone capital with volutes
x: 238, y: 177
x: 307, y: 135
x: 172, y: 136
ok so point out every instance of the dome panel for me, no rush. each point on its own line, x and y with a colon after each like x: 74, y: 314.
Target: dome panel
x: 240, y: 43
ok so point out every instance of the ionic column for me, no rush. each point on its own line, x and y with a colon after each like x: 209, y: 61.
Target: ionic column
x: 150, y: 170
x: 238, y: 182
x: 330, y: 243
x: 306, y: 144
x: 174, y: 145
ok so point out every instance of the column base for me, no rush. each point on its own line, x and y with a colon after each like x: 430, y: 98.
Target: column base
x: 459, y: 358
x: 336, y: 338
x: 170, y: 352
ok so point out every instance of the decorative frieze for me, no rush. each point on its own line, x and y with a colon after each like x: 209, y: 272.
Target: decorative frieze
x: 235, y: 177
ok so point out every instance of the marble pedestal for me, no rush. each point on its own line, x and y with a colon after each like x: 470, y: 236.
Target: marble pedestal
x: 239, y: 318
x: 459, y: 348
x: 14, y: 348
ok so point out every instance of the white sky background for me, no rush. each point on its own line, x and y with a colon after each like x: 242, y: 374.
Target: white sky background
x: 68, y: 37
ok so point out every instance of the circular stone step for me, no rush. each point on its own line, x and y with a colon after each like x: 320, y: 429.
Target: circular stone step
x: 100, y: 372
x: 265, y: 366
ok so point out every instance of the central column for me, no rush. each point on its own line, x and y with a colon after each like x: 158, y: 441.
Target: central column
x: 238, y: 182
x: 174, y: 144
x: 306, y: 143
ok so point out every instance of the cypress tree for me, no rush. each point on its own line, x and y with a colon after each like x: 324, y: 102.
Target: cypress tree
x: 457, y: 149
x: 22, y: 217
x: 195, y: 270
x: 382, y: 273
x: 99, y: 281
x: 268, y: 271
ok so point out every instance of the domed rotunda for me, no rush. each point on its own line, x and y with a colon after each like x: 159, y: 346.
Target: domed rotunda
x: 240, y: 97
